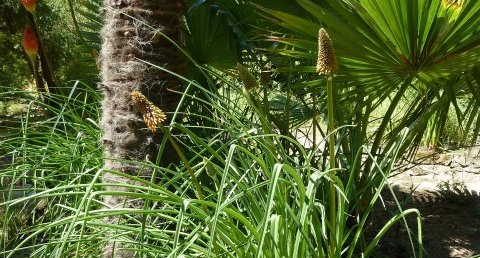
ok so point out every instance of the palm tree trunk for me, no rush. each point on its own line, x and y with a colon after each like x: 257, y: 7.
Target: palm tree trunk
x: 128, y: 38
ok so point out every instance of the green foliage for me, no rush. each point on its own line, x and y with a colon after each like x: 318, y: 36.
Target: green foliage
x: 47, y: 153
x: 62, y: 46
x: 260, y: 200
x: 86, y: 26
x: 385, y: 49
x: 11, y: 25
x: 212, y: 36
x: 266, y: 193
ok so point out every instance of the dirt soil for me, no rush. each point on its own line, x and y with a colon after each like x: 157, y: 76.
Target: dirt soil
x: 445, y: 189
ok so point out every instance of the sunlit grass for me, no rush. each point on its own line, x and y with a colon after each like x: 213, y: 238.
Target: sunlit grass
x: 260, y: 201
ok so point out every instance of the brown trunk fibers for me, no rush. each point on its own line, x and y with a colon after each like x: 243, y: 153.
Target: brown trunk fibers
x: 126, y: 41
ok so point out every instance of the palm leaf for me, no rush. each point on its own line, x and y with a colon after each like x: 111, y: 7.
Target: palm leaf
x: 380, y: 44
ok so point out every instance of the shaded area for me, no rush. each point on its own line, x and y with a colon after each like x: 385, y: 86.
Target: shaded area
x: 450, y: 224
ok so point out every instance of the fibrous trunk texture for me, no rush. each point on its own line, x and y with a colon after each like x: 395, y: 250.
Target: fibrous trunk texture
x: 130, y: 35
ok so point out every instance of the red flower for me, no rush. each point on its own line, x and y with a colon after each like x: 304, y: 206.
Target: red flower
x: 30, y: 5
x: 30, y: 42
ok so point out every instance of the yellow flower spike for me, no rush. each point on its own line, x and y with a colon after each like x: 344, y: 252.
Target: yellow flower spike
x: 326, y: 62
x: 249, y: 81
x: 152, y: 115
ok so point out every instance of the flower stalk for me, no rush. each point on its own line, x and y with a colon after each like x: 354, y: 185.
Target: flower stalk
x: 326, y: 65
x: 153, y: 117
x: 264, y: 82
x: 45, y: 65
x: 250, y: 84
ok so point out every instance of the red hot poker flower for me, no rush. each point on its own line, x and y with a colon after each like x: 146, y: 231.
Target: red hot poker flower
x: 30, y: 5
x: 30, y: 42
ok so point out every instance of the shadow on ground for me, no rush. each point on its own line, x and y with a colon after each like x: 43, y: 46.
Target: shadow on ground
x: 450, y: 225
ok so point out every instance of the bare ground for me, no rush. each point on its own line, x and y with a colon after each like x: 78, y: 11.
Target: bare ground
x: 445, y: 189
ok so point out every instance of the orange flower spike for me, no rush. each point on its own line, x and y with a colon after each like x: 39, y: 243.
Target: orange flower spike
x: 152, y: 115
x: 30, y: 5
x: 30, y: 42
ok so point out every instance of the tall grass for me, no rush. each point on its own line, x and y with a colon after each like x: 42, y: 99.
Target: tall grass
x: 260, y: 199
x: 54, y: 147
